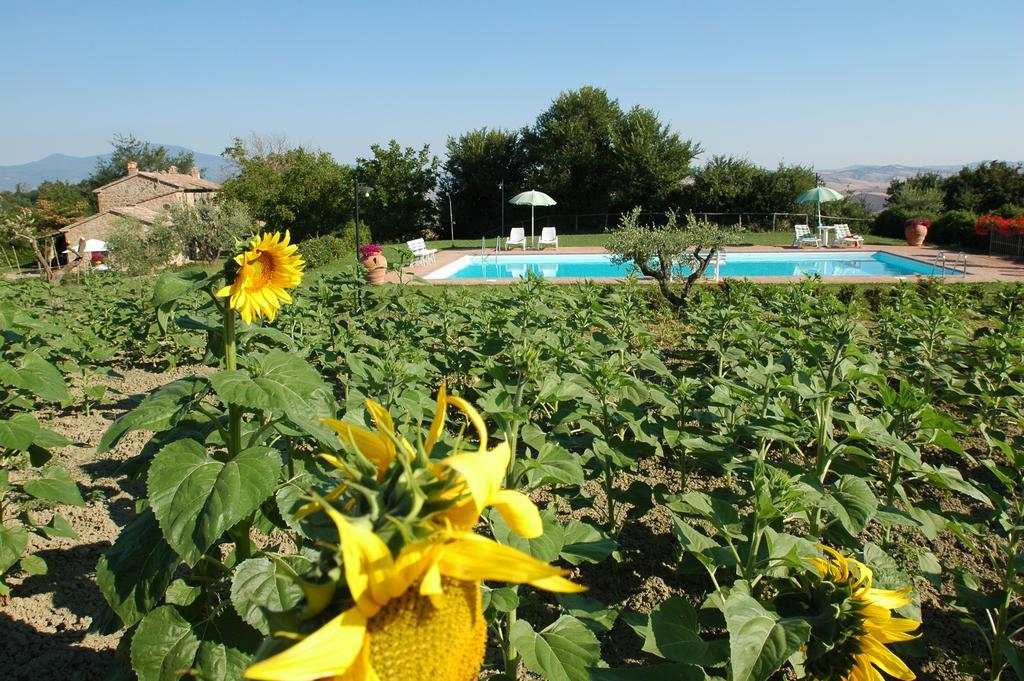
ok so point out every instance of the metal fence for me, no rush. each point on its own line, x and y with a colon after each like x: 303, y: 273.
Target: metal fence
x: 592, y: 223
x: 1008, y: 246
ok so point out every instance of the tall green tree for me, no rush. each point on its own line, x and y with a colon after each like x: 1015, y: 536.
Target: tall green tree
x: 478, y: 162
x: 301, y: 190
x: 572, y: 153
x: 400, y: 205
x: 985, y: 188
x: 651, y: 161
x: 149, y: 156
x: 724, y: 185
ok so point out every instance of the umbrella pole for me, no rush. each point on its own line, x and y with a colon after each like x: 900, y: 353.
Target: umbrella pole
x: 533, y: 234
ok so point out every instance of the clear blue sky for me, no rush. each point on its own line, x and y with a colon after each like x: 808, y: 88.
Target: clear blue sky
x: 827, y: 83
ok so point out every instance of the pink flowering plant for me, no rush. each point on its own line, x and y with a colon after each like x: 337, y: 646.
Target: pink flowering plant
x: 370, y: 250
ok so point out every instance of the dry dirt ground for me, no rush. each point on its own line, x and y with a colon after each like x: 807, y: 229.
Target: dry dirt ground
x: 44, y: 628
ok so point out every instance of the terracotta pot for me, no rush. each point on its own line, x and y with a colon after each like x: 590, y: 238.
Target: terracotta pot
x: 376, y: 268
x: 915, y: 233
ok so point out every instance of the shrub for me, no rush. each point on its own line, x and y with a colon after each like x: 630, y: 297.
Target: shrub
x: 323, y: 250
x: 135, y: 250
x: 892, y: 221
x: 956, y: 227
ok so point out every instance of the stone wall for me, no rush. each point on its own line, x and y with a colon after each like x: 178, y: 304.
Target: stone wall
x: 130, y: 192
x: 158, y: 203
x: 99, y: 227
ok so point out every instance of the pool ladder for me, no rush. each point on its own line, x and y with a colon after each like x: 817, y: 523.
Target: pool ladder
x: 940, y: 261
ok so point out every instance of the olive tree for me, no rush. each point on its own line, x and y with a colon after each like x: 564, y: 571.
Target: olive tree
x: 675, y: 250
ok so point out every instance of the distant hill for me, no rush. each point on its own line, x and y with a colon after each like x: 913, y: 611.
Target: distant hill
x: 77, y: 168
x: 868, y: 184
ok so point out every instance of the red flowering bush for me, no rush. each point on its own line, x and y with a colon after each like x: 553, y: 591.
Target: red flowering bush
x: 987, y: 224
x: 370, y: 249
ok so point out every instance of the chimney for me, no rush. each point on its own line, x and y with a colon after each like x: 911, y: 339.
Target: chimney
x: 172, y: 170
x: 133, y: 168
x: 194, y: 172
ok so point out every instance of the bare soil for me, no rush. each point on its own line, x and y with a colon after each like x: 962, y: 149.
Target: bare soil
x: 44, y: 627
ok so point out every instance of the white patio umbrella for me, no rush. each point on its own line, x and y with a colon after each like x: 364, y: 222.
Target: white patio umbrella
x: 532, y: 199
x: 95, y: 246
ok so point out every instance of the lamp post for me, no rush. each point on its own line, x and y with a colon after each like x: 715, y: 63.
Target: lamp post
x: 364, y: 190
x: 451, y: 220
x: 501, y: 185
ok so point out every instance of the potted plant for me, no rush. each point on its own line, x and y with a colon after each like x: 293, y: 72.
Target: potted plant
x: 375, y: 263
x: 916, y: 230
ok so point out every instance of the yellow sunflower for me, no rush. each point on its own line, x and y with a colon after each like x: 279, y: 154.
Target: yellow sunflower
x: 265, y: 272
x: 415, y: 611
x: 854, y: 623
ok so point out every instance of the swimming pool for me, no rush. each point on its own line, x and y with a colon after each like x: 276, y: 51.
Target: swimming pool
x: 599, y: 265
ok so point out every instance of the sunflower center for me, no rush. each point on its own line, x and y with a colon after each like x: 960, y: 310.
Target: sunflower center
x: 261, y: 270
x: 412, y: 640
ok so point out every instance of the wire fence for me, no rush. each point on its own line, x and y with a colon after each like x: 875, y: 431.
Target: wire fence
x: 591, y: 223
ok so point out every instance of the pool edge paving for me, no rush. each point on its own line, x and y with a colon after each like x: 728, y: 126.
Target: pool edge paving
x: 980, y: 268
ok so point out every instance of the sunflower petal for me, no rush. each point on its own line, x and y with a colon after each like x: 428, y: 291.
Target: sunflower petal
x: 884, y: 659
x: 474, y: 417
x: 437, y: 425
x: 473, y: 558
x: 368, y: 564
x: 329, y: 651
x: 379, y: 450
x: 519, y: 512
x: 483, y: 472
x: 886, y: 599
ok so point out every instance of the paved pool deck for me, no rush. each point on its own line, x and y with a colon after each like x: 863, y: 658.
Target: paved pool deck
x: 980, y: 268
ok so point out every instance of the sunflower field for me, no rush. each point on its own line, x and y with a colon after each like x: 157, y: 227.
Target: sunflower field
x: 532, y: 481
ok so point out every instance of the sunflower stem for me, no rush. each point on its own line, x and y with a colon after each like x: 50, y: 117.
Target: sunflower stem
x: 243, y: 543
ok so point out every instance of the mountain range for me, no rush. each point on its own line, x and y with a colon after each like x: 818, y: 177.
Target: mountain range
x: 77, y: 168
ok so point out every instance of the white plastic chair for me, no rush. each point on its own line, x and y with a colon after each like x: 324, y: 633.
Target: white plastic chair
x: 420, y: 250
x: 549, y: 237
x: 516, y: 237
x: 802, y: 236
x: 844, y: 237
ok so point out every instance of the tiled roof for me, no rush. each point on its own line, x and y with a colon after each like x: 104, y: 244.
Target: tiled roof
x: 141, y: 214
x: 146, y: 215
x: 176, y: 180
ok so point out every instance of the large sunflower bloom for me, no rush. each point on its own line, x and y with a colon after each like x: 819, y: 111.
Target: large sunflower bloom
x: 265, y: 272
x: 866, y: 622
x: 415, y: 613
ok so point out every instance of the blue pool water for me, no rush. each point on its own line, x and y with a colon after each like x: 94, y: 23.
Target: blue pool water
x: 599, y: 265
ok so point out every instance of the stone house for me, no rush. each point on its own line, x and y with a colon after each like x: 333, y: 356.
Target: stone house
x: 140, y: 195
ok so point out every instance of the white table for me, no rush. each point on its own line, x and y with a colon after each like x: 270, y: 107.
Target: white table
x: 823, y: 234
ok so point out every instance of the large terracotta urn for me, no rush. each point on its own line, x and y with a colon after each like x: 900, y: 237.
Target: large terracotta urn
x: 376, y: 268
x: 916, y: 230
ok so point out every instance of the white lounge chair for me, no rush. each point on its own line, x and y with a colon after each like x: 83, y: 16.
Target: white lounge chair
x: 549, y: 237
x: 516, y: 237
x: 844, y: 238
x: 802, y: 236
x: 420, y: 250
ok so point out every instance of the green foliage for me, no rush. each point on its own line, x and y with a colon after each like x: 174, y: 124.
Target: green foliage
x: 477, y: 163
x: 306, y: 192
x: 571, y: 150
x: 727, y: 184
x: 956, y: 227
x: 149, y: 157
x: 776, y: 418
x: 651, y: 161
x: 324, y: 250
x: 208, y: 229
x: 915, y: 200
x: 135, y: 249
x: 399, y: 207
x: 985, y: 188
x: 664, y: 252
